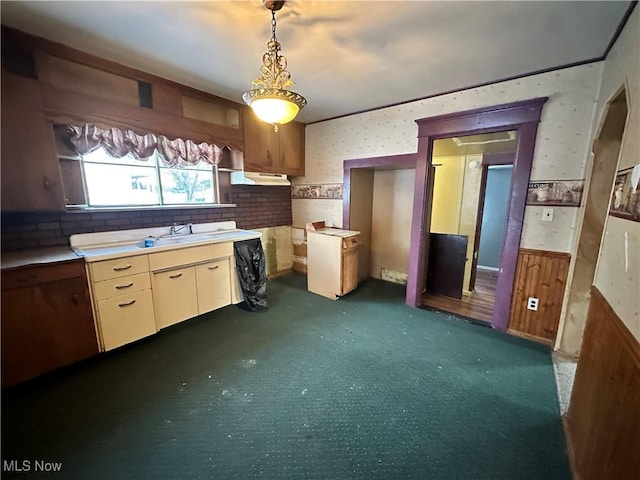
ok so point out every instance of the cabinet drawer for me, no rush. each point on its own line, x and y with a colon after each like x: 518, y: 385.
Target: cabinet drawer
x: 126, y: 318
x: 121, y: 286
x: 189, y: 256
x: 41, y: 273
x: 121, y: 267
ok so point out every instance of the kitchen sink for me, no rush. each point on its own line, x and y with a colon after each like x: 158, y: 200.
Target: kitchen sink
x: 194, y: 237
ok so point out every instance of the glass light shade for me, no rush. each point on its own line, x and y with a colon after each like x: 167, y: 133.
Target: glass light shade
x: 275, y: 110
x: 274, y: 105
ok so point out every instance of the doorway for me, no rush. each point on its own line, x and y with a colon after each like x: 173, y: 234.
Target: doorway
x: 522, y: 117
x: 606, y: 149
x: 472, y: 178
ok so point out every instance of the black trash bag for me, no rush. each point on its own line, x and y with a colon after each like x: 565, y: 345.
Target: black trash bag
x: 252, y: 273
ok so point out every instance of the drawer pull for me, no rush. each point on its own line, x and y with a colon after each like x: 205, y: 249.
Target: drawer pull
x: 214, y: 268
x: 175, y: 275
x: 126, y: 304
x: 119, y: 269
x: 122, y: 287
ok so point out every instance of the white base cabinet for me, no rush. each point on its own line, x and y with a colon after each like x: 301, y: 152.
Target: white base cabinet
x: 123, y: 302
x: 191, y: 281
x: 134, y: 297
x: 213, y: 285
x: 175, y: 296
x: 126, y: 318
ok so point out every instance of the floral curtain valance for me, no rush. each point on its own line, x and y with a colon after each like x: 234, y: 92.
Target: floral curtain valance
x: 119, y: 142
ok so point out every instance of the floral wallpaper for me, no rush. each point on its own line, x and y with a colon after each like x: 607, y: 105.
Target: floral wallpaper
x: 618, y: 273
x: 562, y: 146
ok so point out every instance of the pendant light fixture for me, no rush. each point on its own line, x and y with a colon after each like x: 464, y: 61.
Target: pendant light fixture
x: 269, y: 97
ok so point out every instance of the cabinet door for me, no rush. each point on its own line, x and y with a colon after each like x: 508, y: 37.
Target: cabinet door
x: 45, y: 327
x: 30, y: 172
x: 126, y: 318
x: 213, y: 285
x: 261, y: 145
x: 292, y: 137
x: 349, y: 270
x: 175, y: 296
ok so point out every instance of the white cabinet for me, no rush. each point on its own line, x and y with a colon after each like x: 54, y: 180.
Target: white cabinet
x: 123, y: 302
x: 191, y: 281
x: 126, y: 318
x: 332, y: 261
x: 213, y: 284
x: 175, y: 296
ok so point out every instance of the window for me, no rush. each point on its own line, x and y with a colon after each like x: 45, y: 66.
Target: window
x: 111, y: 167
x: 126, y: 181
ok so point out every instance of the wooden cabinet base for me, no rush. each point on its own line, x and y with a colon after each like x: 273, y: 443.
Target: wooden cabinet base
x: 46, y: 324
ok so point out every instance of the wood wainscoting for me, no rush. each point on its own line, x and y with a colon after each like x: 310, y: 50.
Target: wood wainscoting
x: 604, y: 412
x: 543, y: 275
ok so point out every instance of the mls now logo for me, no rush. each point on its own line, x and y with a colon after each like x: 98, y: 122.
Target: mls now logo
x: 27, y: 466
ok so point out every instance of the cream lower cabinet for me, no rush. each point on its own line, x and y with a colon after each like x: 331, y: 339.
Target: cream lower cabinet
x: 213, y: 285
x: 191, y: 281
x: 175, y: 296
x: 123, y: 301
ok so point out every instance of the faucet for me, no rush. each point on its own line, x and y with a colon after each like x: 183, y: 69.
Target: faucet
x: 175, y: 229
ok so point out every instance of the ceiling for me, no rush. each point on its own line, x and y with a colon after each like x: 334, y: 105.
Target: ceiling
x: 345, y: 56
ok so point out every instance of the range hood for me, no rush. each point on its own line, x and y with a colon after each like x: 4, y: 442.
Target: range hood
x: 250, y: 178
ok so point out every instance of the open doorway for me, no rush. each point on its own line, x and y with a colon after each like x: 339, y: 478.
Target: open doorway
x: 606, y: 150
x: 522, y: 117
x: 472, y: 180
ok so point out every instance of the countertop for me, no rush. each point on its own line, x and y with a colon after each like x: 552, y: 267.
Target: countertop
x: 23, y: 258
x: 109, y: 252
x: 337, y: 232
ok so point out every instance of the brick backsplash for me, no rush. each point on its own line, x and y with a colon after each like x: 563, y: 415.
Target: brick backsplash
x: 256, y: 207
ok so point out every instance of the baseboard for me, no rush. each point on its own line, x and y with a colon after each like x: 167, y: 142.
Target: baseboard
x: 280, y: 273
x: 488, y: 269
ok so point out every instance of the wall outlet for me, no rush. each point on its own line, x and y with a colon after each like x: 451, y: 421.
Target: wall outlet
x: 547, y: 214
x: 532, y: 304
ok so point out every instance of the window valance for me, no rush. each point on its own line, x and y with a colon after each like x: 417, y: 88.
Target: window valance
x: 119, y: 142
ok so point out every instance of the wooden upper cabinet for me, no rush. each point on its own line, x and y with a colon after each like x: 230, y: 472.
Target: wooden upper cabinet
x: 30, y: 173
x: 268, y: 151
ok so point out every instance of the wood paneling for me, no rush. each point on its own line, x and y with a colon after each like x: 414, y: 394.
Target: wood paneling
x: 87, y: 80
x: 604, y: 412
x: 543, y: 275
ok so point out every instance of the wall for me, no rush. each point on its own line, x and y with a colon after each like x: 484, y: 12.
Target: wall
x: 456, y: 193
x: 360, y: 214
x: 469, y: 212
x: 561, y: 147
x: 257, y: 207
x: 447, y: 194
x: 494, y: 216
x: 391, y: 224
x: 617, y: 277
x: 278, y: 249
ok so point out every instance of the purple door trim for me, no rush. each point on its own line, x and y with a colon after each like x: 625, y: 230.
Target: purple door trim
x: 389, y: 162
x: 520, y: 116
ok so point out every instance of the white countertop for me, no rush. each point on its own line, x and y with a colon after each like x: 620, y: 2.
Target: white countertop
x: 120, y: 250
x: 337, y: 232
x: 126, y: 243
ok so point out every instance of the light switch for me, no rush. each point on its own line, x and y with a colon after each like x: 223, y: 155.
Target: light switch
x: 547, y: 214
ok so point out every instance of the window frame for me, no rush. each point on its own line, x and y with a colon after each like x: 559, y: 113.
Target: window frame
x: 213, y: 170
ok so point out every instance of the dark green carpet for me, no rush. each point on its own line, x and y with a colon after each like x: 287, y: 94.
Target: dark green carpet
x: 359, y: 388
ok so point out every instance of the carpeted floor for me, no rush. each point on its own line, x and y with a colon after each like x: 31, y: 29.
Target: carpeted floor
x: 360, y: 388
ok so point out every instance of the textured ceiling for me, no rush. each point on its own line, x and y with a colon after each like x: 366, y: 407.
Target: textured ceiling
x: 345, y: 56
